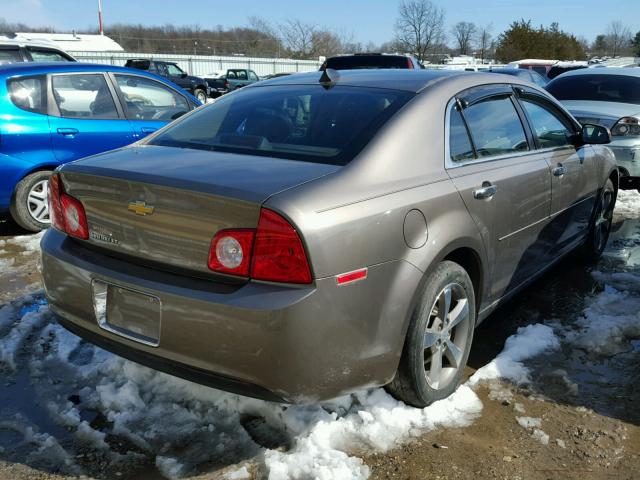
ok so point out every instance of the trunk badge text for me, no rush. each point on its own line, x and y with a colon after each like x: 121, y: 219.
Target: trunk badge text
x: 103, y: 235
x: 141, y: 208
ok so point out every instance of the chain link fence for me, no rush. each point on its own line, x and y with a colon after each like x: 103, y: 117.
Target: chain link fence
x: 205, y: 65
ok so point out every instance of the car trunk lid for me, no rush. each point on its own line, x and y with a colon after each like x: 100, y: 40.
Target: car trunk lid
x: 162, y: 206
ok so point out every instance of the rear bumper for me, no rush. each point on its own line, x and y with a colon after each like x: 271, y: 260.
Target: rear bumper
x: 280, y: 343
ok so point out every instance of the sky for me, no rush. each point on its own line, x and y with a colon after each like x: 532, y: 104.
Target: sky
x: 365, y: 20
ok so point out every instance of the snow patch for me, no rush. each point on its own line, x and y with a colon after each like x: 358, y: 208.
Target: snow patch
x: 529, y: 422
x: 539, y: 435
x: 628, y: 204
x: 240, y: 474
x: 528, y: 342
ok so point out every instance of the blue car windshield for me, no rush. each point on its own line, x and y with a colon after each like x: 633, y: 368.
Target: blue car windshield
x: 298, y: 122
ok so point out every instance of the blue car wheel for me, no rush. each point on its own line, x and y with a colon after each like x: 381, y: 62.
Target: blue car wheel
x: 29, y: 206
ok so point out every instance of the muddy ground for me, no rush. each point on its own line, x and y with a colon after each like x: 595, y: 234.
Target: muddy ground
x: 588, y: 404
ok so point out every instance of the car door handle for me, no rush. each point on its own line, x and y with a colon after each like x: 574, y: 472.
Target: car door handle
x: 485, y: 192
x: 68, y: 132
x: 559, y: 171
x: 148, y: 129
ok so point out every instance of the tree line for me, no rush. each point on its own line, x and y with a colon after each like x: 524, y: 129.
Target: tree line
x: 420, y: 29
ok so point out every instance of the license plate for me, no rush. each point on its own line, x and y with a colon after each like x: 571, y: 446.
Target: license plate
x: 126, y: 312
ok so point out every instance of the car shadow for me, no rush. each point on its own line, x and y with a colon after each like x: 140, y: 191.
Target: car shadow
x: 9, y: 228
x: 571, y: 375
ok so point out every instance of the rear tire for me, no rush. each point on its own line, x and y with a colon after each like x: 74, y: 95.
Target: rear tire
x: 29, y: 206
x: 201, y: 95
x: 600, y: 227
x: 437, y: 346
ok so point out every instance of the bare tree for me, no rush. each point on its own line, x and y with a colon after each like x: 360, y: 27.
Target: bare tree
x: 298, y: 37
x: 618, y: 37
x: 464, y: 32
x: 419, y: 27
x: 484, y: 41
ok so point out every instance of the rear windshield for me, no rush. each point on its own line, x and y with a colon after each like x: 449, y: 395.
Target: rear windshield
x: 373, y: 61
x: 307, y: 122
x: 603, y: 88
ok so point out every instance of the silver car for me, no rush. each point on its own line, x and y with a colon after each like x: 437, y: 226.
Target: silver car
x: 319, y: 233
x: 609, y: 97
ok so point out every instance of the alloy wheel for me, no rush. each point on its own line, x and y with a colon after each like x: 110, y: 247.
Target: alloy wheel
x: 604, y: 219
x: 446, y: 336
x: 37, y: 201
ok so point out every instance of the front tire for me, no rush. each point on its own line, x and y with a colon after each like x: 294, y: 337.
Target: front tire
x: 29, y: 207
x: 201, y: 95
x: 439, y: 338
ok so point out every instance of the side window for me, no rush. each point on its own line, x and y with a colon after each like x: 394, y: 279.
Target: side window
x: 252, y: 76
x: 43, y: 55
x: 83, y: 96
x: 460, y: 146
x: 550, y: 130
x: 28, y: 93
x: 242, y: 75
x: 173, y: 70
x: 10, y: 55
x: 495, y: 127
x: 147, y: 99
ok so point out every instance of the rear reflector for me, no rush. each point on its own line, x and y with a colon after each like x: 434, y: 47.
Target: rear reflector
x: 351, y: 277
x: 231, y: 251
x: 66, y: 213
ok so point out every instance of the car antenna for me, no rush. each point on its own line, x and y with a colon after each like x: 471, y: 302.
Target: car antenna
x: 329, y: 78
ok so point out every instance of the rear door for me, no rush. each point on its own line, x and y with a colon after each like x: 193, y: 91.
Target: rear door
x: 503, y: 181
x: 84, y: 116
x: 149, y: 104
x: 574, y: 179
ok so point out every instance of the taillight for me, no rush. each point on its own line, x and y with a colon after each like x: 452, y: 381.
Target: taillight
x: 66, y: 213
x: 278, y: 254
x: 272, y: 252
x: 231, y: 251
x: 55, y: 206
x: 409, y: 63
x: 626, y: 126
x: 226, y: 83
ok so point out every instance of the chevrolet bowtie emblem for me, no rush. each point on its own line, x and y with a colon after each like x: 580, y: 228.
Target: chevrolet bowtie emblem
x: 141, y: 208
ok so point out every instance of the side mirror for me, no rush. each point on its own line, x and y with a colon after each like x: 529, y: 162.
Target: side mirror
x: 595, y: 134
x: 183, y: 75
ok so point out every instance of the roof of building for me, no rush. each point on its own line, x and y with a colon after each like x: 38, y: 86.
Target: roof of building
x: 73, y: 42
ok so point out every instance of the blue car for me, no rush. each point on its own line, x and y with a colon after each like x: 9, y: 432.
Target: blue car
x: 53, y: 113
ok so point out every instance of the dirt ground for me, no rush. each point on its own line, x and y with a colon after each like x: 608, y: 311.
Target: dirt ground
x: 594, y: 435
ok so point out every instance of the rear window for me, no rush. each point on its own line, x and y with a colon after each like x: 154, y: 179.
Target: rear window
x: 28, y: 93
x: 602, y: 88
x: 373, y: 61
x: 309, y: 123
x: 10, y: 55
x: 139, y: 64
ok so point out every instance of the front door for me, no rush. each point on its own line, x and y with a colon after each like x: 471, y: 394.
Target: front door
x: 149, y: 105
x: 84, y: 118
x: 573, y: 179
x: 504, y: 183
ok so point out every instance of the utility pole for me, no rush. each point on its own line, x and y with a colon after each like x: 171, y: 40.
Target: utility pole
x: 100, y: 16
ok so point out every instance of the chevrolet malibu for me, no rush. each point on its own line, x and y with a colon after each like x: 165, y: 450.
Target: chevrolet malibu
x: 320, y: 233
